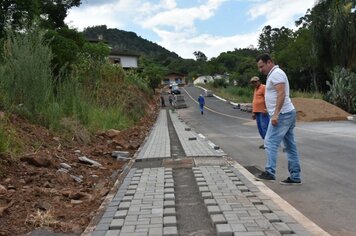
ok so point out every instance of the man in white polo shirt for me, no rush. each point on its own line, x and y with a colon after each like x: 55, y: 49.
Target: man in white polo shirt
x: 282, y: 122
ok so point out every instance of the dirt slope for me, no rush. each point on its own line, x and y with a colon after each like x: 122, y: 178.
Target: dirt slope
x: 34, y: 194
x: 309, y: 109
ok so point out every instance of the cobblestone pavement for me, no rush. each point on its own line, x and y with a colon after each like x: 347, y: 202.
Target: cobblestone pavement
x: 158, y: 142
x: 145, y: 203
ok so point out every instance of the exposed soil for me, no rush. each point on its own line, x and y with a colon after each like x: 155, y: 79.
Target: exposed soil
x: 309, y: 109
x: 35, y: 194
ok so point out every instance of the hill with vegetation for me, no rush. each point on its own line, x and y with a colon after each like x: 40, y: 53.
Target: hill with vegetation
x: 128, y: 41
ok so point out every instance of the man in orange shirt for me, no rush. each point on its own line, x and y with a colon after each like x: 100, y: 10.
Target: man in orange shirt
x: 259, y: 110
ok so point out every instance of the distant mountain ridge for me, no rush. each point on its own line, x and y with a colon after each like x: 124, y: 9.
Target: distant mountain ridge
x: 128, y: 41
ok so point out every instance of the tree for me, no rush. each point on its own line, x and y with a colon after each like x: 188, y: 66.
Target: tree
x: 265, y: 40
x: 66, y: 44
x: 200, y: 56
x: 19, y: 14
x: 272, y: 39
x: 333, y: 25
x: 53, y: 12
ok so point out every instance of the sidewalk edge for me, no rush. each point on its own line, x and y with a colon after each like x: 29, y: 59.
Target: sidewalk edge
x: 308, y: 224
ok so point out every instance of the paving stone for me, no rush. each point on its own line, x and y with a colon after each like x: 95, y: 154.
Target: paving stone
x: 204, y: 189
x: 102, y: 227
x: 112, y: 233
x: 155, y: 232
x: 272, y: 233
x: 116, y: 224
x: 272, y: 217
x: 169, y: 196
x: 170, y: 231
x: 224, y: 230
x: 213, y: 210
x: 206, y: 195
x: 128, y: 229
x: 210, y: 202
x: 238, y: 228
x: 98, y: 233
x: 169, y: 211
x: 218, y: 219
x: 282, y: 227
x: 169, y: 221
x: 120, y: 214
x: 169, y: 203
x: 259, y: 233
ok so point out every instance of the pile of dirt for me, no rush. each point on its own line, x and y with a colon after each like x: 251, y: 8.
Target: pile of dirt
x: 47, y: 186
x: 309, y: 109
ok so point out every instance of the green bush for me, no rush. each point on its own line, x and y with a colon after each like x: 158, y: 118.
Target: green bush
x: 343, y: 89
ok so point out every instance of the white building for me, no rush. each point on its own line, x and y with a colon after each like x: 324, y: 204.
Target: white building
x: 125, y: 59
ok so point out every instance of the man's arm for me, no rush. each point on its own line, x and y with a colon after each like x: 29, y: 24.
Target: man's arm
x: 281, y: 93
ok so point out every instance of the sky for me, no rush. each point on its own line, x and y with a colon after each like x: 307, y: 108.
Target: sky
x: 186, y: 26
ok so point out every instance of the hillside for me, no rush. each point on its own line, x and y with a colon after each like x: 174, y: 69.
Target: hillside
x: 128, y: 41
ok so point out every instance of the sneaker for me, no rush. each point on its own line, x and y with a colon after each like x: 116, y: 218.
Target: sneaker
x: 289, y: 181
x: 261, y: 146
x: 265, y: 176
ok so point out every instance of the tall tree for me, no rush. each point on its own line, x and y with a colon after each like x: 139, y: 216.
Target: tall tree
x: 54, y: 12
x: 19, y: 14
x: 333, y: 25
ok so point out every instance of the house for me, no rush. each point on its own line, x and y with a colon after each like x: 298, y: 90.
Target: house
x: 174, y: 77
x: 127, y: 60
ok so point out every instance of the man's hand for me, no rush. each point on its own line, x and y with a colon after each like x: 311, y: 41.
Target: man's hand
x: 274, y: 120
x: 253, y: 116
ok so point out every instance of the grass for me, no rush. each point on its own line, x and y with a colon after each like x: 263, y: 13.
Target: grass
x: 42, y: 219
x: 232, y: 93
x: 108, y: 118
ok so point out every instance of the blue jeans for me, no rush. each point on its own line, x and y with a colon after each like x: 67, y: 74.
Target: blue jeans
x: 262, y: 121
x: 201, y: 107
x: 283, y: 131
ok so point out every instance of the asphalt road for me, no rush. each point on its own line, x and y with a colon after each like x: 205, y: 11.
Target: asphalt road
x: 327, y: 151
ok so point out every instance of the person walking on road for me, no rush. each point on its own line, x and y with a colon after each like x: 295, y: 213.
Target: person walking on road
x: 282, y: 122
x: 259, y: 110
x: 170, y: 99
x: 201, y: 101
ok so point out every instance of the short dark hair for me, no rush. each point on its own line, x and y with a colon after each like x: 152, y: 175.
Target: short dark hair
x: 264, y: 57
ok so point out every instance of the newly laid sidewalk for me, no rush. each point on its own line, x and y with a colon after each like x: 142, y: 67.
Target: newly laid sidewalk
x: 146, y: 201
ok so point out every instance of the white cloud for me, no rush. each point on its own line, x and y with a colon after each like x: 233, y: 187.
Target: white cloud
x: 114, y: 14
x: 185, y: 44
x: 280, y: 13
x: 179, y: 18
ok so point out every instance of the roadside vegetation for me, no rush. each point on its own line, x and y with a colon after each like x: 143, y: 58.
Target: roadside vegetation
x: 85, y: 92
